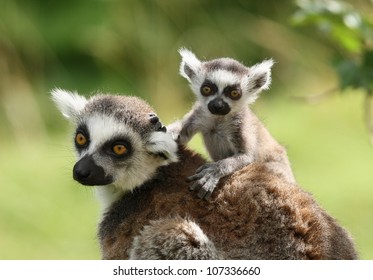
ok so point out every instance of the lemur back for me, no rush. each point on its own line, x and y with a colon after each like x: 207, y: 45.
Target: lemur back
x: 234, y: 137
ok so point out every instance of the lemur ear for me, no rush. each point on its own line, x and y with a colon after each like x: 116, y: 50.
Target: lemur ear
x: 163, y: 145
x: 259, y: 78
x: 190, y: 64
x: 260, y: 75
x: 70, y: 104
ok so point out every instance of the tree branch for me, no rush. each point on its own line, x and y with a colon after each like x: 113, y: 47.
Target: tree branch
x: 316, y: 98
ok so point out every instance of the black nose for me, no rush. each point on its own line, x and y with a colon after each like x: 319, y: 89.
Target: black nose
x: 218, y: 106
x: 88, y: 173
x: 80, y: 171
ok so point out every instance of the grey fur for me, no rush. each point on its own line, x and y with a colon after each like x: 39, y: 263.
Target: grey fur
x: 122, y: 109
x: 188, y: 241
x: 237, y: 138
x: 225, y: 63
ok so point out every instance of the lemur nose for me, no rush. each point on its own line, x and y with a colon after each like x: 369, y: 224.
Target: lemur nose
x: 88, y: 173
x: 80, y: 171
x: 217, y: 106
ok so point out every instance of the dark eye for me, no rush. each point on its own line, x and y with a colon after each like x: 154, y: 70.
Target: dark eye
x: 206, y: 90
x: 235, y: 94
x: 80, y: 139
x: 120, y: 149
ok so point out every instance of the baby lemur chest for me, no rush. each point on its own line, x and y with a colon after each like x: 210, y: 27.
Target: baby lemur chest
x: 222, y: 138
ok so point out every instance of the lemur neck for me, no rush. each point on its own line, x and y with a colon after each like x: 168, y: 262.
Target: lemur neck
x: 107, y: 195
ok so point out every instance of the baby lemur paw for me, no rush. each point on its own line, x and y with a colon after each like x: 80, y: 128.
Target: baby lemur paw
x: 174, y: 129
x: 158, y: 126
x: 205, y: 180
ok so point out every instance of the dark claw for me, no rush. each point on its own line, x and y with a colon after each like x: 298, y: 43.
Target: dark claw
x: 153, y: 118
x: 208, y: 195
x: 158, y: 126
x: 193, y: 177
x: 202, y: 193
x: 188, y: 179
x: 195, y: 186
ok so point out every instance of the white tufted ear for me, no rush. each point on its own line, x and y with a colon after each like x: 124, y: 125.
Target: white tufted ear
x: 259, y: 78
x: 190, y: 64
x: 163, y: 145
x: 70, y: 104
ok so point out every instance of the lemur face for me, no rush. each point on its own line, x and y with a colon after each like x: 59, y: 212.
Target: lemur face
x: 105, y: 150
x: 221, y: 89
x: 116, y: 139
x: 224, y: 85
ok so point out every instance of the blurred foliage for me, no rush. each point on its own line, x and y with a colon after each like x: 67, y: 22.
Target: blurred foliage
x: 119, y: 46
x: 130, y: 47
x: 349, y: 31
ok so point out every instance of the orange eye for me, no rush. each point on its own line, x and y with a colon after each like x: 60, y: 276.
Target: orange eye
x: 80, y: 139
x: 235, y: 94
x: 119, y: 149
x: 206, y: 90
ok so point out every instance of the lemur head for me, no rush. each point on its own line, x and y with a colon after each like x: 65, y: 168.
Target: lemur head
x: 224, y: 84
x: 116, y: 139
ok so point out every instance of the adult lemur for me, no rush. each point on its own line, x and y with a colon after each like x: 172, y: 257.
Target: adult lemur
x: 149, y: 212
x: 233, y: 135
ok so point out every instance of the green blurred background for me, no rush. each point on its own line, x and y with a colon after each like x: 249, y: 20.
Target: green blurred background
x: 130, y: 47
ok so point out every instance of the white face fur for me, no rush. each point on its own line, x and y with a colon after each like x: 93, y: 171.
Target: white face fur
x: 120, y: 153
x: 234, y: 84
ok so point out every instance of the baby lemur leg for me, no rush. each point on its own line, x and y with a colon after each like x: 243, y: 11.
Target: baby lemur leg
x: 208, y: 175
x: 172, y: 239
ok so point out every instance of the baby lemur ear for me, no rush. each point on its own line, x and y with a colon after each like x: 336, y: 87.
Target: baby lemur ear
x: 259, y: 78
x: 70, y: 104
x: 190, y: 64
x: 260, y: 75
x: 162, y: 145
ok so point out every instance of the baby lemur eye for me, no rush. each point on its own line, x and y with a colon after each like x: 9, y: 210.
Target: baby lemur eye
x: 119, y: 149
x: 206, y: 90
x: 235, y: 94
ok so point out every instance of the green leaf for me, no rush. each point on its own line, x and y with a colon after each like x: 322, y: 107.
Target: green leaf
x: 348, y: 73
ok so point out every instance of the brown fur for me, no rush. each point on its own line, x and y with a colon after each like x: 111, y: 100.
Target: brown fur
x: 253, y: 214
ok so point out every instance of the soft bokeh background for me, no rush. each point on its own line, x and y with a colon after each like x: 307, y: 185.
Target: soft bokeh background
x: 130, y: 47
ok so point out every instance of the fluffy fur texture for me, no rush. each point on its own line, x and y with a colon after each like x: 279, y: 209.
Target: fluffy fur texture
x: 233, y: 135
x: 189, y: 241
x: 69, y: 103
x: 253, y: 214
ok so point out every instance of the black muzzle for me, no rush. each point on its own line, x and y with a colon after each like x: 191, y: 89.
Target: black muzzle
x: 217, y: 106
x: 88, y: 173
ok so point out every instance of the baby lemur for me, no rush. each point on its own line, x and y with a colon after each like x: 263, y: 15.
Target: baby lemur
x: 234, y: 137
